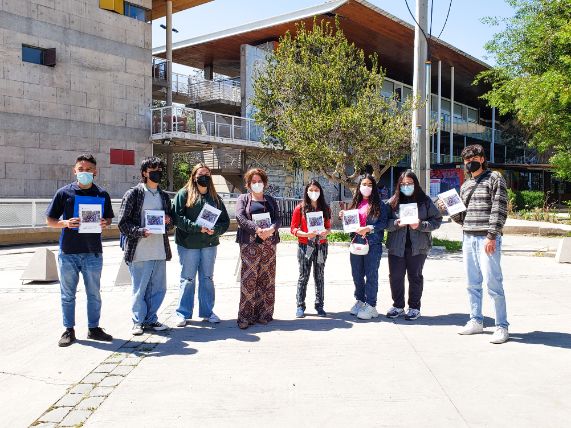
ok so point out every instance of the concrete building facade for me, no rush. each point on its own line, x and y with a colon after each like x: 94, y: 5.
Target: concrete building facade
x: 93, y: 98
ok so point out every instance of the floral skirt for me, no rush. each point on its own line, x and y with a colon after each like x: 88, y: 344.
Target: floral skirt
x: 258, y: 282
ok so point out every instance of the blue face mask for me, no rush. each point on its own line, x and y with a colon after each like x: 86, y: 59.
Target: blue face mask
x: 407, y: 189
x: 85, y: 178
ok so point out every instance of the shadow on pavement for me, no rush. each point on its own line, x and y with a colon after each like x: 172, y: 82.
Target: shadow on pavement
x: 547, y: 338
x: 447, y: 319
x: 228, y: 329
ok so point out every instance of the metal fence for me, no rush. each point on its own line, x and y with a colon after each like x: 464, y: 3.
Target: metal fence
x: 15, y: 213
x: 20, y: 213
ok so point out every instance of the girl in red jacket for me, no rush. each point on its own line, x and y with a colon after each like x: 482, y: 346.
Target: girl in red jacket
x: 311, y: 223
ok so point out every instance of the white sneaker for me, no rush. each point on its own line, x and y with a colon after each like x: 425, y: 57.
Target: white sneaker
x: 367, y: 312
x: 472, y: 327
x: 357, y: 307
x: 137, y: 329
x: 181, y: 322
x: 500, y: 335
x: 213, y: 318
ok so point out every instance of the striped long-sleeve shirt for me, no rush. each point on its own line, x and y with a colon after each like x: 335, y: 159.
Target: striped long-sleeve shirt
x: 488, y: 207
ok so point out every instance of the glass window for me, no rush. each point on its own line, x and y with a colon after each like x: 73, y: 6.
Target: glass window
x: 388, y: 89
x: 136, y: 12
x: 32, y: 54
x: 406, y: 92
x: 445, y: 107
x: 472, y: 115
x: 457, y: 111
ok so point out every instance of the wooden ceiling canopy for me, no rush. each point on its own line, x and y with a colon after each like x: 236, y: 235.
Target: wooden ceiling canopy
x: 369, y: 29
x: 160, y: 6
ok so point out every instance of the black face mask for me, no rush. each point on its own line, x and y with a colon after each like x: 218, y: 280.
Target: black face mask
x: 156, y: 176
x: 203, y: 180
x: 473, y: 166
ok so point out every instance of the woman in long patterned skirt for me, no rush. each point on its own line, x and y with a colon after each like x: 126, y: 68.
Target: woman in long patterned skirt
x: 258, y: 220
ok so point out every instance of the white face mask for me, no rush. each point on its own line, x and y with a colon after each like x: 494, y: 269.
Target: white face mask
x: 366, y: 190
x: 257, y: 187
x: 314, y: 196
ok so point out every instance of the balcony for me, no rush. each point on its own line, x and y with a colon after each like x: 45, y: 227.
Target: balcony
x: 469, y: 129
x: 188, y: 126
x: 223, y: 90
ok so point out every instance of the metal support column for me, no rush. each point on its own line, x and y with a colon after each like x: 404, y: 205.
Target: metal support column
x: 168, y: 44
x: 418, y: 152
x: 451, y: 114
x: 427, y: 145
x: 439, y: 114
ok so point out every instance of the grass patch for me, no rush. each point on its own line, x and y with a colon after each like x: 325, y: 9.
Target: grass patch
x: 449, y: 245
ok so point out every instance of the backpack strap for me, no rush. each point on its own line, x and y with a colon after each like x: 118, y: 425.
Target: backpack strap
x: 478, y: 181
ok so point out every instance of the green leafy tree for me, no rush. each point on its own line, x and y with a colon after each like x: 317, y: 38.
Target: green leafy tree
x: 532, y: 79
x: 319, y: 98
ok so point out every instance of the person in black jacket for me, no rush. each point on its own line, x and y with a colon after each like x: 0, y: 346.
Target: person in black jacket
x: 258, y: 218
x: 409, y: 244
x: 143, y: 208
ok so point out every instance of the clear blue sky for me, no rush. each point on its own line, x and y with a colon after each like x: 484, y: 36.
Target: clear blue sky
x: 463, y: 30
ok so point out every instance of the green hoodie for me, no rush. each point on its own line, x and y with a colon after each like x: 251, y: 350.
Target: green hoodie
x: 188, y: 234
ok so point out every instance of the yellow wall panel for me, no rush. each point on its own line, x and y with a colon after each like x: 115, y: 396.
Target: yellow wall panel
x: 114, y: 5
x: 119, y: 7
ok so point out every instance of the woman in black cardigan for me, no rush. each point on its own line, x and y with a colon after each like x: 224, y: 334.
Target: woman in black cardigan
x: 257, y: 239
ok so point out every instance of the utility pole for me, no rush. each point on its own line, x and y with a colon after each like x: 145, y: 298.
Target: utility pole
x: 420, y: 145
x: 170, y: 166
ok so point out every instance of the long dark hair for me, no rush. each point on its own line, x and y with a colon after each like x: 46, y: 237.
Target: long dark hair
x: 417, y: 196
x: 374, y: 199
x: 321, y: 204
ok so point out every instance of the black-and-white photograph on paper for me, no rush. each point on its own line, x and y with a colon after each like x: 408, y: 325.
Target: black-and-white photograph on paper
x: 408, y: 213
x: 452, y: 200
x: 89, y: 218
x: 315, y: 221
x: 262, y: 220
x: 155, y: 221
x: 351, y: 221
x: 208, y: 216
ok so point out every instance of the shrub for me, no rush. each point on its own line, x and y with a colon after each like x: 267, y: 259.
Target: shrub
x: 532, y: 199
x: 525, y: 200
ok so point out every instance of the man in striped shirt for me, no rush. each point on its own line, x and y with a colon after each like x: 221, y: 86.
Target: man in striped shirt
x: 485, y: 196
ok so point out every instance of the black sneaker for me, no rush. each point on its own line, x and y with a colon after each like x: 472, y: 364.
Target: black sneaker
x: 67, y: 338
x: 395, y: 312
x: 321, y: 312
x: 412, y: 315
x: 97, y: 333
x: 157, y: 326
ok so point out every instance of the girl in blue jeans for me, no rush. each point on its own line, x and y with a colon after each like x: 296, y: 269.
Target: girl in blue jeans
x: 197, y: 244
x: 365, y: 268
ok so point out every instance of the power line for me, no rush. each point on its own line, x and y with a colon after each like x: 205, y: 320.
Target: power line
x: 446, y: 20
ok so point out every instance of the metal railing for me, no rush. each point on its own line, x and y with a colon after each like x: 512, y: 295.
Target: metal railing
x: 227, y: 90
x: 24, y: 213
x: 183, y: 120
x: 16, y: 213
x: 469, y: 129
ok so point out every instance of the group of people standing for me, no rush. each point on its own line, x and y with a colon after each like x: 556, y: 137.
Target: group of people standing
x: 147, y: 252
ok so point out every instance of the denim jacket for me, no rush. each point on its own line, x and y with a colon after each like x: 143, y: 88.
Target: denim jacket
x: 379, y: 225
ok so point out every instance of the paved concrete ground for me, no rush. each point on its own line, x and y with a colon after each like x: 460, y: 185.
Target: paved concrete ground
x: 336, y: 371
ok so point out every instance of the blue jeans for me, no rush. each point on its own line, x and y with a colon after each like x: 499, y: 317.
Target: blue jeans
x: 149, y: 279
x: 90, y: 266
x: 365, y: 271
x: 481, y: 267
x: 199, y: 260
